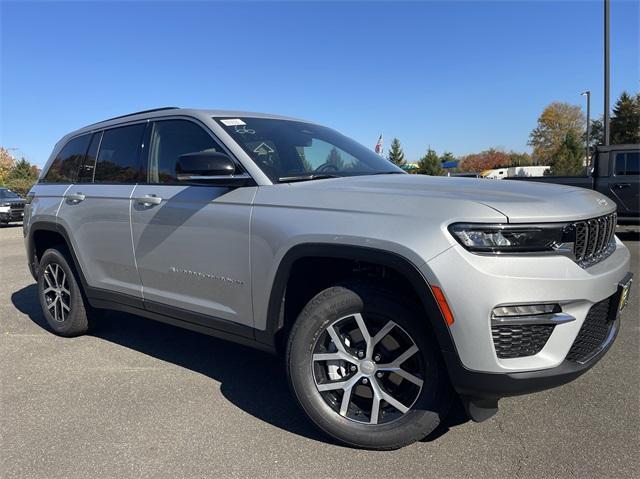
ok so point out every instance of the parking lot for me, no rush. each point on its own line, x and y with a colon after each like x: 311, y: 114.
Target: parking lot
x: 144, y: 399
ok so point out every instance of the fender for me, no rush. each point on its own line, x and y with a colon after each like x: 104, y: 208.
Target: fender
x: 275, y: 311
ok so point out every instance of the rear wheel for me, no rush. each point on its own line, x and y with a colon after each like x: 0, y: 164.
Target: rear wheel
x: 60, y: 296
x: 365, y: 369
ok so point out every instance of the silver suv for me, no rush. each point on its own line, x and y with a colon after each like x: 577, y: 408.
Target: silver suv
x: 388, y: 294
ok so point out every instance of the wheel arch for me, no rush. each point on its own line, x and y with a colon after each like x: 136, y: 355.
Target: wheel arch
x: 45, y: 234
x: 402, y: 266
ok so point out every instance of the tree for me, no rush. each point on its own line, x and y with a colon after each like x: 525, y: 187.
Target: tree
x: 21, y: 177
x: 429, y: 164
x: 7, y: 162
x: 519, y: 159
x: 335, y: 159
x: 568, y: 160
x: 396, y: 155
x: 447, y: 157
x: 485, y: 160
x: 625, y: 121
x: 596, y: 135
x: 554, y: 124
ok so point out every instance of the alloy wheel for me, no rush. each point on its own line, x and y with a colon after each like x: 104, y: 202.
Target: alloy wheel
x: 369, y: 371
x: 56, y: 292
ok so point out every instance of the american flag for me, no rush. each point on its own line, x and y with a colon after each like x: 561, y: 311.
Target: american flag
x: 378, y: 148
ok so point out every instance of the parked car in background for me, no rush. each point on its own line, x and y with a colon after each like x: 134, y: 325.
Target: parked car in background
x: 386, y: 293
x: 615, y: 173
x: 11, y: 206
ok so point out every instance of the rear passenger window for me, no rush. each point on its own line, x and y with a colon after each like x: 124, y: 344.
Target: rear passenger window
x: 117, y: 160
x: 627, y: 163
x: 169, y: 140
x: 85, y: 174
x: 64, y: 168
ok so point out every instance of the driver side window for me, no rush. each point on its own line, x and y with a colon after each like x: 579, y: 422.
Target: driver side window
x: 169, y: 140
x: 325, y: 155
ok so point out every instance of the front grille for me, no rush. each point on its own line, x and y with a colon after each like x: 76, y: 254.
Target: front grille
x: 16, y: 206
x: 519, y: 340
x: 594, y: 330
x: 594, y: 239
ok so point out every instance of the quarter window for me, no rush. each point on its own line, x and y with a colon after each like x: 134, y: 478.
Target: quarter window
x: 65, y: 166
x: 85, y: 174
x: 117, y: 160
x: 169, y: 140
x: 627, y: 163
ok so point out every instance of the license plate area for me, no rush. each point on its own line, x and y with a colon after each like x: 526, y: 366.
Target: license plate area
x: 624, y: 289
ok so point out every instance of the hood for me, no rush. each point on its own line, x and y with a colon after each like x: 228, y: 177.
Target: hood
x: 519, y: 201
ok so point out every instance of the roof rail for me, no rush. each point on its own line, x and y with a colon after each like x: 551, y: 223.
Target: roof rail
x: 138, y: 113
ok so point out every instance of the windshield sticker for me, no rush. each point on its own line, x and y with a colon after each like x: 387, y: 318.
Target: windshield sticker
x: 263, y: 149
x: 232, y: 122
x: 243, y: 129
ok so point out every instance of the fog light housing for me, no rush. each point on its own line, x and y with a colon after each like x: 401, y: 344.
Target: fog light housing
x: 525, y: 310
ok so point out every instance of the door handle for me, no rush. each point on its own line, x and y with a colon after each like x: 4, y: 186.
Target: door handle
x: 75, y: 197
x: 622, y: 185
x: 149, y: 200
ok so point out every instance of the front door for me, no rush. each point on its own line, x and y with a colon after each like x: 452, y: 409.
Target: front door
x: 191, y: 242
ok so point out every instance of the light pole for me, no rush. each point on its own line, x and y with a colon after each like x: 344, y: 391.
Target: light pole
x: 587, y: 93
x: 606, y: 73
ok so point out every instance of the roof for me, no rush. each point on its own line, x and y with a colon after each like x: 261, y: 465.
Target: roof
x: 619, y: 147
x: 173, y: 111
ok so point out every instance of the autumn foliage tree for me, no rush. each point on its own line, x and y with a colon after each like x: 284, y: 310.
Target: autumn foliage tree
x: 7, y: 162
x: 485, y: 160
x: 554, y: 124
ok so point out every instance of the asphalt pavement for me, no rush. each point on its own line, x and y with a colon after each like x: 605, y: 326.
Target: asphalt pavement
x: 137, y: 398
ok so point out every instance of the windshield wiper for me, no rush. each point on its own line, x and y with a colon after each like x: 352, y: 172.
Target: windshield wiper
x: 319, y: 176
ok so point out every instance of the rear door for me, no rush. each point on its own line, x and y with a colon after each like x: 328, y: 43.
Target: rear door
x: 191, y: 241
x: 95, y: 211
x: 625, y: 180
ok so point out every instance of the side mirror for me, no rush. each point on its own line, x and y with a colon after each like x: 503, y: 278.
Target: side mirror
x: 203, y: 165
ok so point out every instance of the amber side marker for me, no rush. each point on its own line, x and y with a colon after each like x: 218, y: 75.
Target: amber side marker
x: 444, y: 306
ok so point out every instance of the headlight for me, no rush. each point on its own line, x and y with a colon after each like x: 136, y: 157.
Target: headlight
x: 4, y: 209
x: 488, y: 238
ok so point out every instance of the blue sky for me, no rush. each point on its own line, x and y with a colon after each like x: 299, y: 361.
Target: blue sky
x: 456, y: 76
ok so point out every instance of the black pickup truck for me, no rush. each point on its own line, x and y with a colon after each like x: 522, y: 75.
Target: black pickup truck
x: 615, y: 172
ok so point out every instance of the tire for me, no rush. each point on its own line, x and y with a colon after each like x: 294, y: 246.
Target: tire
x: 343, y: 309
x: 60, y: 295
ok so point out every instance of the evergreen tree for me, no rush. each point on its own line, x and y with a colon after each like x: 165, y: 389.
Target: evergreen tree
x: 446, y: 157
x: 21, y: 177
x: 568, y: 159
x: 396, y: 155
x: 429, y: 164
x: 625, y: 121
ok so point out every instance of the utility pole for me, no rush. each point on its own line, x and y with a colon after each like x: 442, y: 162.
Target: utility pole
x: 587, y: 93
x: 607, y: 119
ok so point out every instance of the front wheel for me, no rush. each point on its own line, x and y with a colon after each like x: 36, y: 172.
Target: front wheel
x: 365, y: 368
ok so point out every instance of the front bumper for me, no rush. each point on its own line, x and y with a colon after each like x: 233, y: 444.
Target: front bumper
x: 475, y: 284
x: 473, y: 384
x: 11, y: 215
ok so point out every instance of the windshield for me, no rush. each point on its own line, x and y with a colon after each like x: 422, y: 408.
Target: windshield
x: 6, y: 194
x: 288, y: 150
